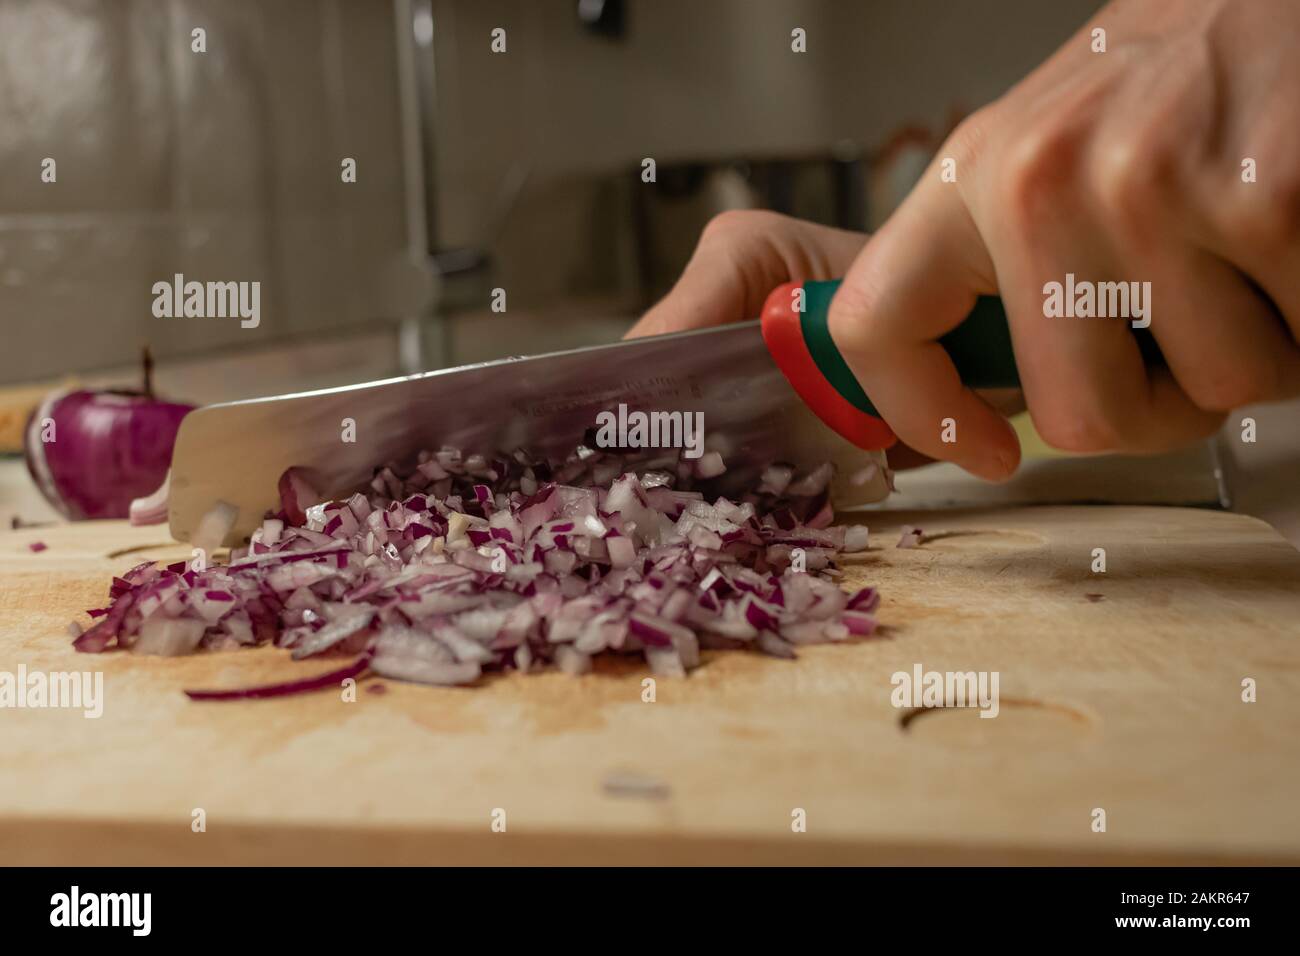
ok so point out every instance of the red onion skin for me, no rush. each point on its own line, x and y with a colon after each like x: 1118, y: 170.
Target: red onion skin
x: 109, y: 448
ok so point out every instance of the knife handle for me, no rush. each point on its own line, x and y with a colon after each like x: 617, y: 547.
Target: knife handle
x: 801, y: 345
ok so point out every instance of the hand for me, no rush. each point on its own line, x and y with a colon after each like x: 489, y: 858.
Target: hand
x: 743, y: 255
x: 1122, y: 165
x: 1125, y: 165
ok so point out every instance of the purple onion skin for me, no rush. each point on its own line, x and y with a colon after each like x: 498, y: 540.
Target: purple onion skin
x: 109, y: 447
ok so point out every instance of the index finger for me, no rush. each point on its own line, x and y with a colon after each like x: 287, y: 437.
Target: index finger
x: 916, y: 279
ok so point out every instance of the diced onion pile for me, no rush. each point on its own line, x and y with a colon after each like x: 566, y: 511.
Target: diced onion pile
x: 462, y: 565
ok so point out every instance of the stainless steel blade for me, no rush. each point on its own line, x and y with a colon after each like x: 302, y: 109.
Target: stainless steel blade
x: 235, y: 452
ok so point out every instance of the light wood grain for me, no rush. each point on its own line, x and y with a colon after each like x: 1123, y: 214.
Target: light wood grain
x: 1131, y: 703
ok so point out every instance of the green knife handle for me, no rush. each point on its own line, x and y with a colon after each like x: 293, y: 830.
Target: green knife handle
x: 980, y: 348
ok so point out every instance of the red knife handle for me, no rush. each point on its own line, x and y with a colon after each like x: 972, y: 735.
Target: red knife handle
x: 784, y: 318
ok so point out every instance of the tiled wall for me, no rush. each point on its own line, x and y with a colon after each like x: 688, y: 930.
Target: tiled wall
x: 222, y: 165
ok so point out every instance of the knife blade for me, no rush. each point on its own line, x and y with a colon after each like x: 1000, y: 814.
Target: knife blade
x: 236, y: 451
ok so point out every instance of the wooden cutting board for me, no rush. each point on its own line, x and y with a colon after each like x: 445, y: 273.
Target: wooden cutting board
x: 1130, y: 702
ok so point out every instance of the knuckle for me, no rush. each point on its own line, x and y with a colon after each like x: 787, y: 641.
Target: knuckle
x: 969, y: 140
x: 1130, y: 177
x: 1034, y: 171
x: 1073, y: 430
x: 1268, y: 215
x: 1225, y: 387
x: 732, y: 222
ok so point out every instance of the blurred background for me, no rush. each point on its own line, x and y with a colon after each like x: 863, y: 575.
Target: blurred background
x: 475, y: 170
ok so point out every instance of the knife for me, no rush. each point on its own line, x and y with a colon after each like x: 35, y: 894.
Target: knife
x: 236, y: 451
x: 772, y: 389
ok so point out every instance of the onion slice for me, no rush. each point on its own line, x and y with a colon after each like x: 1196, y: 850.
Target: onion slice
x: 286, y: 688
x: 153, y: 508
x: 214, y: 526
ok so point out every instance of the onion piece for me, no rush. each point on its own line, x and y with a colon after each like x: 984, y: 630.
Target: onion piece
x: 214, y: 526
x: 775, y: 479
x: 665, y: 662
x: 425, y: 672
x: 813, y: 483
x: 710, y: 465
x: 335, y: 632
x: 153, y: 508
x: 772, y: 645
x: 572, y: 661
x: 910, y: 537
x: 286, y: 688
x: 168, y: 636
x: 296, y: 495
x: 856, y: 538
x: 864, y: 476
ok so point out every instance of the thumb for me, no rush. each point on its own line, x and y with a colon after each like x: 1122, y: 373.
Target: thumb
x: 741, y: 257
x: 916, y: 279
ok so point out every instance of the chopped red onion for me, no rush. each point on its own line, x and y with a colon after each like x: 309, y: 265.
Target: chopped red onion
x: 296, y: 495
x: 153, y: 508
x: 464, y: 564
x: 665, y: 662
x: 571, y: 660
x: 775, y: 479
x: 773, y: 645
x: 168, y: 636
x: 865, y: 475
x: 910, y: 537
x: 37, y: 546
x: 856, y: 538
x: 214, y: 526
x: 710, y: 465
x: 814, y: 483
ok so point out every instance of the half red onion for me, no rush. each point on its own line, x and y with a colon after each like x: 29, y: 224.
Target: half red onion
x: 91, y: 453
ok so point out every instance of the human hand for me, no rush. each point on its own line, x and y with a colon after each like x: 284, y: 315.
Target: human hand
x: 1127, y: 165
x: 1124, y: 165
